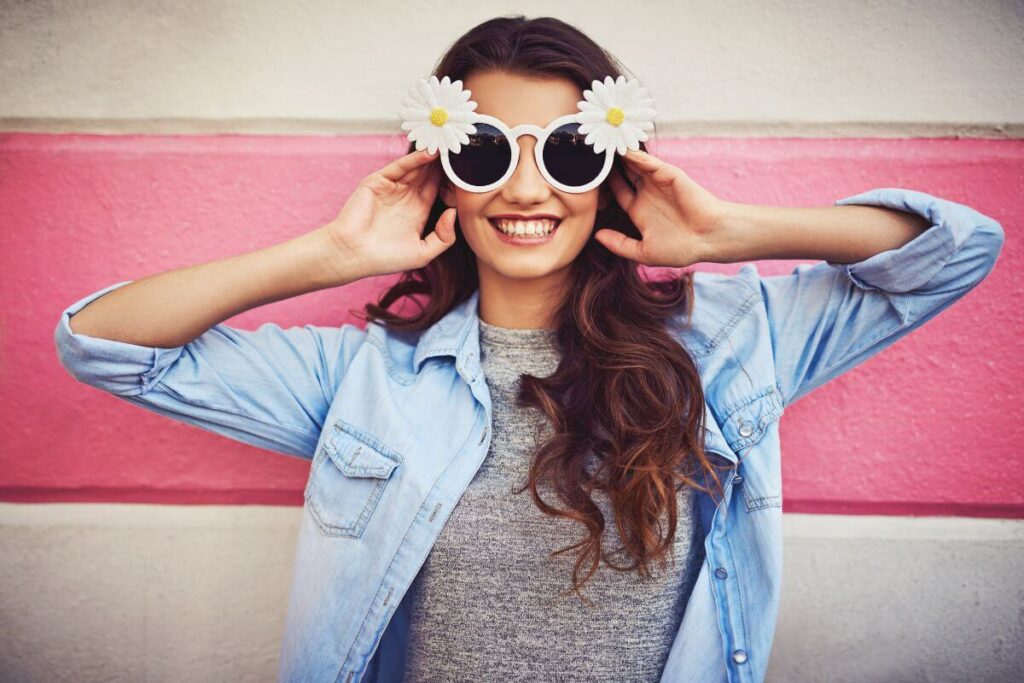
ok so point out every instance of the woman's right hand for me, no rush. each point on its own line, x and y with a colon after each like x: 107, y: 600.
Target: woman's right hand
x: 379, y: 226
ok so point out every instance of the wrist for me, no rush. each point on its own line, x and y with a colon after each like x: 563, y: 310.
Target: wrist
x: 329, y: 264
x: 728, y: 241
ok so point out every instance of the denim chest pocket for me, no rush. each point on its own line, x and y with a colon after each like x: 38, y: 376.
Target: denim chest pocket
x: 745, y: 425
x: 347, y: 478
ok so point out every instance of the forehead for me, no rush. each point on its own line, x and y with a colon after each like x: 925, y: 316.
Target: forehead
x: 517, y: 99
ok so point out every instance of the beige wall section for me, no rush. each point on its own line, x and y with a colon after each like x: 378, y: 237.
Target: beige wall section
x: 745, y: 67
x: 198, y: 593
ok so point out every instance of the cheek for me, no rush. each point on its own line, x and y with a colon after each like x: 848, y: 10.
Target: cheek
x: 473, y: 222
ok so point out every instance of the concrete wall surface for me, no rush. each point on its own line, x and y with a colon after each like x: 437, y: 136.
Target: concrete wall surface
x: 740, y: 67
x: 137, y: 137
x: 132, y: 593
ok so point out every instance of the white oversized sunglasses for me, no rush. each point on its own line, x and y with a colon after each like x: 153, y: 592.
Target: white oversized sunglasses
x: 574, y: 153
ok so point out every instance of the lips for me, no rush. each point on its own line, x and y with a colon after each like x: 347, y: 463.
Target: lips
x: 531, y: 217
x: 547, y: 218
x: 525, y: 239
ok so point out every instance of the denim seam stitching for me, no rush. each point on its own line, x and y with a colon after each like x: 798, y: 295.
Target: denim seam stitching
x: 236, y: 413
x: 393, y: 372
x: 353, y: 530
x: 405, y: 539
x: 727, y: 328
x: 739, y: 591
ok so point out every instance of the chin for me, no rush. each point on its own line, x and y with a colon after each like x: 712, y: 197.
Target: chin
x: 526, y: 267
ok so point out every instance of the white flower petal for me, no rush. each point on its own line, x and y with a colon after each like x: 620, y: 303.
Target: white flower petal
x: 461, y: 116
x: 463, y: 128
x: 417, y: 139
x: 414, y: 112
x: 448, y: 99
x: 601, y: 139
x: 640, y: 113
x: 630, y: 90
x: 441, y: 136
x: 603, y: 97
x: 416, y: 128
x: 429, y: 94
x: 426, y: 94
x: 594, y: 116
x: 429, y: 135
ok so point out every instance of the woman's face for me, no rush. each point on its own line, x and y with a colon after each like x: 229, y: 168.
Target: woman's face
x: 515, y: 100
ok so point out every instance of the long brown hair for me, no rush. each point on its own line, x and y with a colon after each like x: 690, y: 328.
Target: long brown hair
x: 625, y: 392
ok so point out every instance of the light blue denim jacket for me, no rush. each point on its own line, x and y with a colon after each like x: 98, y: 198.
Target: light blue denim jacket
x: 395, y: 427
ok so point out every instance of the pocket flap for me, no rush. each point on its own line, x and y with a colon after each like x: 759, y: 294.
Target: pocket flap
x: 357, y: 458
x: 745, y: 422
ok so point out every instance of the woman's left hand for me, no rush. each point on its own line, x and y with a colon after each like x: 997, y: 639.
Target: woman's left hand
x: 676, y: 217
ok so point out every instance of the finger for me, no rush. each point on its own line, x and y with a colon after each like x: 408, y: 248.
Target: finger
x: 651, y: 167
x: 421, y: 172
x: 427, y: 180
x: 624, y: 195
x: 619, y: 244
x: 441, y: 238
x: 398, y: 168
x: 642, y: 160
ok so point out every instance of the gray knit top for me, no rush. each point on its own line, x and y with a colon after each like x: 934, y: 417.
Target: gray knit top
x: 485, y: 606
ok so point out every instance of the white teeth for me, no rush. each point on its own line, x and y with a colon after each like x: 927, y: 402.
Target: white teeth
x: 537, y: 228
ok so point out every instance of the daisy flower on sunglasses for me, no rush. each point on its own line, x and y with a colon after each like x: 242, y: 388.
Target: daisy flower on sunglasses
x: 438, y: 114
x: 616, y: 114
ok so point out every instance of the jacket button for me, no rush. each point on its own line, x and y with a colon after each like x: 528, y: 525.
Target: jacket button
x: 745, y: 429
x: 739, y: 656
x: 721, y: 573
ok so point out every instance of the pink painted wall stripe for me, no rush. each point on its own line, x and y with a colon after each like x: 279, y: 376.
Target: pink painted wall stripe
x: 930, y: 426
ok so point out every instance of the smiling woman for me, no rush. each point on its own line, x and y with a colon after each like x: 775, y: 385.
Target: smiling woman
x: 550, y: 274
x: 553, y: 468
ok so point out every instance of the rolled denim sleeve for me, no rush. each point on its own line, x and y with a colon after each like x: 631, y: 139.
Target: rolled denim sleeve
x: 270, y: 387
x: 827, y: 317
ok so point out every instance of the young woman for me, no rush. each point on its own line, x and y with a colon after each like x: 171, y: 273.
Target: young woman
x: 552, y: 469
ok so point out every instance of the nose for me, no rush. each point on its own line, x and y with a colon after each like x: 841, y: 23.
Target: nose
x: 527, y: 185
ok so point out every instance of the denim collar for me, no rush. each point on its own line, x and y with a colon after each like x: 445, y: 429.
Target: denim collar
x: 457, y: 334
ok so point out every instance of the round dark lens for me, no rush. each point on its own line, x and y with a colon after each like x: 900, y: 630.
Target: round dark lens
x: 569, y: 159
x: 485, y: 159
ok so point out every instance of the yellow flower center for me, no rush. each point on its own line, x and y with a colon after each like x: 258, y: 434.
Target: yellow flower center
x: 615, y: 116
x: 439, y: 116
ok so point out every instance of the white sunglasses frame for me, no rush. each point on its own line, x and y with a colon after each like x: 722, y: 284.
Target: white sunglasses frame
x: 541, y: 134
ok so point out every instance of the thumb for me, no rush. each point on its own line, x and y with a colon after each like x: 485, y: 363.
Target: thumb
x: 442, y: 237
x: 619, y: 244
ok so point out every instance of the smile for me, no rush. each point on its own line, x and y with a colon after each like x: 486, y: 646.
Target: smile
x: 524, y: 232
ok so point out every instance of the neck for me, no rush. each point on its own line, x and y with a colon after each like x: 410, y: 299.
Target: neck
x: 521, y: 302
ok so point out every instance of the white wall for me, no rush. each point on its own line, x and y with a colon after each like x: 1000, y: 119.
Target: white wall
x: 198, y: 593
x: 801, y: 67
